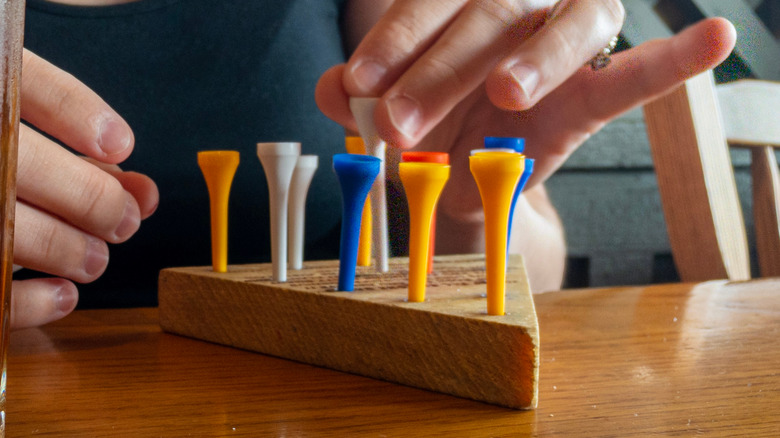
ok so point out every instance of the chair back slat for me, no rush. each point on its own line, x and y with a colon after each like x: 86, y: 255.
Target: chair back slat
x: 751, y: 119
x: 766, y: 201
x: 696, y: 183
x: 751, y: 112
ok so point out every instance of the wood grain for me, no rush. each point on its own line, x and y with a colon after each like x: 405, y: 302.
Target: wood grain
x: 670, y: 360
x: 696, y: 182
x: 440, y: 344
x: 766, y: 209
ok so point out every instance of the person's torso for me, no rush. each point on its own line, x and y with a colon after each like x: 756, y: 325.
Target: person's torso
x: 192, y: 75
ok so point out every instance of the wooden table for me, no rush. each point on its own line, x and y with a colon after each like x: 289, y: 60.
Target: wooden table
x: 670, y: 360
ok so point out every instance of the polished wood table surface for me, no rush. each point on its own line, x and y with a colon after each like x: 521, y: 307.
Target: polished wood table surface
x: 667, y: 360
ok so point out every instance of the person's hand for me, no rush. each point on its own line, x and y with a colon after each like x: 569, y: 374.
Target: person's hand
x: 450, y: 72
x: 68, y: 207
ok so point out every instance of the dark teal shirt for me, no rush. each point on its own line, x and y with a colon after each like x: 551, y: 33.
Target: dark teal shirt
x: 192, y: 75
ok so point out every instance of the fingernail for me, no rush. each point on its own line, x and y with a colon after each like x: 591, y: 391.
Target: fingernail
x: 405, y: 115
x: 131, y: 221
x: 368, y: 74
x: 153, y: 208
x: 527, y: 77
x: 67, y: 298
x: 96, y: 258
x: 115, y: 136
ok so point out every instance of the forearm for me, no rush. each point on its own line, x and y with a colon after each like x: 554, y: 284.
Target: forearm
x: 537, y: 234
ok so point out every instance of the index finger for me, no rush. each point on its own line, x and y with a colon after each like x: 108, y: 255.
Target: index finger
x: 427, y: 57
x: 405, y: 31
x: 60, y: 105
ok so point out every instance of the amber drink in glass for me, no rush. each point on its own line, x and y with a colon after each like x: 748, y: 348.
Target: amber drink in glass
x: 11, y: 31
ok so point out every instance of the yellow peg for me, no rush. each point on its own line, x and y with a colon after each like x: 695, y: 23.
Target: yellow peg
x: 428, y: 157
x: 497, y: 174
x: 423, y: 183
x: 218, y: 169
x: 355, y: 145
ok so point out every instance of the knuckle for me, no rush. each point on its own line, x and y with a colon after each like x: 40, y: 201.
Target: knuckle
x: 96, y: 198
x: 505, y: 11
x: 447, y: 73
x: 33, y: 161
x: 60, y: 94
x: 405, y: 34
x: 564, y: 45
x: 46, y: 238
x: 63, y: 98
x: 27, y: 153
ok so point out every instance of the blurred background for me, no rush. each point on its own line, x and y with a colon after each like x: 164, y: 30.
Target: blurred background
x: 607, y: 193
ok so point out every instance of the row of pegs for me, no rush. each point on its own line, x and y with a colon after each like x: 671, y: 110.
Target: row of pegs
x: 289, y: 175
x: 500, y: 170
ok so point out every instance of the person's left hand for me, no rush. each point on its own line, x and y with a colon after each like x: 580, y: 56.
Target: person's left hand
x: 72, y: 197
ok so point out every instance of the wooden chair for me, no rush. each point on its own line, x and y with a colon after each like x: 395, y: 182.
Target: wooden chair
x: 690, y: 131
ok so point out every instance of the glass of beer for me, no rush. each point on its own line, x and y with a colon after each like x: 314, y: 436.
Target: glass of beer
x: 11, y: 32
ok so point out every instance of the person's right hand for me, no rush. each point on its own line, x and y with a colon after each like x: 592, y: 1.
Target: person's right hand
x: 69, y: 206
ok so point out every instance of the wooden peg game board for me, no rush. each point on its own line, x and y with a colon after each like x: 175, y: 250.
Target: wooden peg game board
x: 446, y: 344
